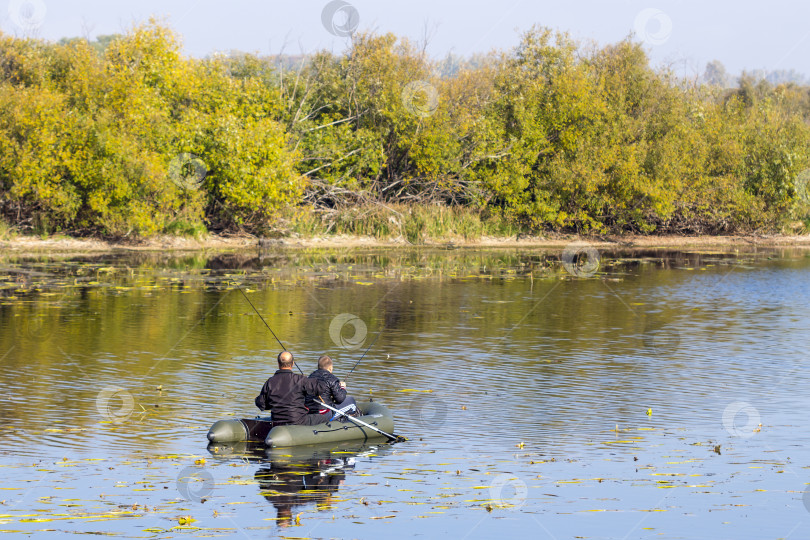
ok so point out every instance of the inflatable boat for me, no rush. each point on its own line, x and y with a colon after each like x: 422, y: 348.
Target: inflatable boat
x: 260, y: 429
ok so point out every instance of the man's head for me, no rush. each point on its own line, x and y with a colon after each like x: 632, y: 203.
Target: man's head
x: 324, y: 362
x: 285, y: 360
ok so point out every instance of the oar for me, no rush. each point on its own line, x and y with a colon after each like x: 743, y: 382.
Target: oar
x: 391, y: 438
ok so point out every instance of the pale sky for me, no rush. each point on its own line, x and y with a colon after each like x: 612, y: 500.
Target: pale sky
x: 685, y: 33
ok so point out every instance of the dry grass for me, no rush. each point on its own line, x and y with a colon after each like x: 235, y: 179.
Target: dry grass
x: 415, y: 223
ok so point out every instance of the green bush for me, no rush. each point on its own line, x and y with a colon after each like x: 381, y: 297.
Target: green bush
x: 90, y: 136
x: 126, y: 137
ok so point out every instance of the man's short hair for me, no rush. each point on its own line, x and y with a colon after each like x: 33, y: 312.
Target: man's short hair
x: 324, y: 362
x: 285, y: 359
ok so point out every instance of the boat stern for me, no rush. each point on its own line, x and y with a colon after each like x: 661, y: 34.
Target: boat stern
x: 228, y: 431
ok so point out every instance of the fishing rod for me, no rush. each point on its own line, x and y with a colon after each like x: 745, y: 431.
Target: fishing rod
x: 365, y: 353
x: 268, y: 326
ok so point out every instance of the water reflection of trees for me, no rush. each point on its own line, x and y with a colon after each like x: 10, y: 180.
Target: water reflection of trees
x: 140, y: 320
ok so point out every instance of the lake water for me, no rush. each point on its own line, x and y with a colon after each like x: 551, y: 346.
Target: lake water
x: 587, y: 394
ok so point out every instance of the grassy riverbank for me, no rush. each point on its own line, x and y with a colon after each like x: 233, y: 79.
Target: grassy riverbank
x: 19, y: 244
x: 383, y: 225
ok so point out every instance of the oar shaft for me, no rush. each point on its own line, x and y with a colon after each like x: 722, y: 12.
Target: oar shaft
x: 359, y: 422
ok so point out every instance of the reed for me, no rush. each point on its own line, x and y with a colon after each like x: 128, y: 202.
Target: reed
x: 418, y: 224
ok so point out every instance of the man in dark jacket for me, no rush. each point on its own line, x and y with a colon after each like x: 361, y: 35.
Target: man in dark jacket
x: 285, y: 393
x: 335, y: 396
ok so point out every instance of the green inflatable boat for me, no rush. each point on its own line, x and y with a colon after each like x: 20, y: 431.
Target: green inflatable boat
x: 260, y: 429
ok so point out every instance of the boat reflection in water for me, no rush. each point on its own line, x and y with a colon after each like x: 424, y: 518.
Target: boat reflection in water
x: 295, y: 477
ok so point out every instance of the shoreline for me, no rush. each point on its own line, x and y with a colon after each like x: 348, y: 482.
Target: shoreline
x: 33, y: 244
